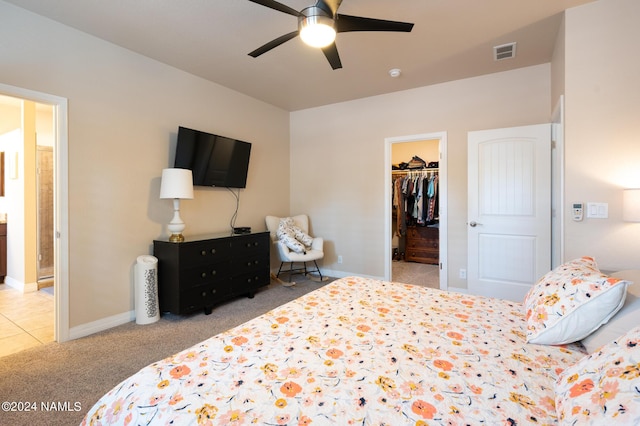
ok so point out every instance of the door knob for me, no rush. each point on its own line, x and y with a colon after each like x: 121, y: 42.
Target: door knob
x: 474, y: 224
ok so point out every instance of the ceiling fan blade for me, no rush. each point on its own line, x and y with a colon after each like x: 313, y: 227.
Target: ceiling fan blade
x: 330, y: 6
x: 331, y: 53
x: 273, y: 44
x: 347, y: 23
x: 271, y: 4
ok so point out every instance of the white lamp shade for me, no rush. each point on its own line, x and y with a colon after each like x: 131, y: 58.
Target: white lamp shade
x: 176, y: 183
x: 631, y: 205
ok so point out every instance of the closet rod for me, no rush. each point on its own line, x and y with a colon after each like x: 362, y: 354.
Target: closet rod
x: 433, y: 169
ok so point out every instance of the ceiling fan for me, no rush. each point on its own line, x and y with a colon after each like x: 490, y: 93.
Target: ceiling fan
x: 318, y: 25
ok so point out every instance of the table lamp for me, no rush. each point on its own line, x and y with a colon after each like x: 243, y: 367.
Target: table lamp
x: 176, y: 184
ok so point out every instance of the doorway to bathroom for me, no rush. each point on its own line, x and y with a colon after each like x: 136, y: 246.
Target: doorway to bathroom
x: 40, y: 174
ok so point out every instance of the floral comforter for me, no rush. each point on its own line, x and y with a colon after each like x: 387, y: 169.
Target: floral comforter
x: 357, y: 351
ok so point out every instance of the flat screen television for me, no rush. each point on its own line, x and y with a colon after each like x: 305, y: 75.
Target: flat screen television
x: 214, y: 160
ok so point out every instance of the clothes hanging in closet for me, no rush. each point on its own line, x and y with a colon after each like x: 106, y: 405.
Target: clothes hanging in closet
x: 415, y: 199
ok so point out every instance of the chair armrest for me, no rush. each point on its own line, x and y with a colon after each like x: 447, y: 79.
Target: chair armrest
x: 283, y: 251
x: 317, y: 243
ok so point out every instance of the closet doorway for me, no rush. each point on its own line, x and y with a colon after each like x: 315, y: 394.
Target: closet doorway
x: 416, y: 209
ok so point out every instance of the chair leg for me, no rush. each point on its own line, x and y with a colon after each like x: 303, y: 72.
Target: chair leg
x: 318, y: 268
x: 290, y: 271
x: 279, y: 269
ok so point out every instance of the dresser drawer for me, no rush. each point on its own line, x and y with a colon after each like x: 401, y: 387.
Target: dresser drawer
x: 201, y: 252
x: 423, y: 256
x: 421, y: 243
x: 195, y: 298
x: 202, y: 274
x: 251, y: 263
x: 249, y: 282
x: 255, y: 243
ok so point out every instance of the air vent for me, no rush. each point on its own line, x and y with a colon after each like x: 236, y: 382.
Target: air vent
x: 504, y: 51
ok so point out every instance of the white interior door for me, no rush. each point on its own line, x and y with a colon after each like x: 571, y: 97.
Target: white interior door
x: 509, y: 210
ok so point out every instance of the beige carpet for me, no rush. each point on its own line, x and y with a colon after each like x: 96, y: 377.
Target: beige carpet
x: 74, y: 375
x: 416, y: 273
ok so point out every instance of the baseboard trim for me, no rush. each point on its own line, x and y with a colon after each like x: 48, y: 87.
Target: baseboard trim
x: 93, y: 327
x: 20, y: 286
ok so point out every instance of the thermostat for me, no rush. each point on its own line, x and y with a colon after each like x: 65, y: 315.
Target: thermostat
x: 577, y: 211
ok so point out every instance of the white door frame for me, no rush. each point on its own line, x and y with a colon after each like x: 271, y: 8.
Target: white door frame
x: 557, y: 184
x: 60, y: 202
x: 441, y: 137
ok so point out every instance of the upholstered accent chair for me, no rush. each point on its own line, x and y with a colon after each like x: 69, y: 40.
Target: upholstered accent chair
x: 286, y: 255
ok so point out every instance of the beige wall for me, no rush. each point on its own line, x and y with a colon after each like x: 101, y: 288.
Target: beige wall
x: 124, y: 112
x: 602, y: 88
x: 595, y: 66
x: 337, y: 169
x: 404, y: 152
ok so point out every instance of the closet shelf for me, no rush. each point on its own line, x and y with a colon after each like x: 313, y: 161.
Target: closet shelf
x: 429, y: 169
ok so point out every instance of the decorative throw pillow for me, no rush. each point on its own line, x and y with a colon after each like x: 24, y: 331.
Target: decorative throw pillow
x: 623, y: 321
x: 292, y: 236
x: 570, y: 302
x: 602, y: 388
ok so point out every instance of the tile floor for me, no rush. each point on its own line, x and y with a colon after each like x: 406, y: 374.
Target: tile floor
x: 26, y: 319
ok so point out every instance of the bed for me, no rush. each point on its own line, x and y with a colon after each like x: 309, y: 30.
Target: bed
x: 356, y: 351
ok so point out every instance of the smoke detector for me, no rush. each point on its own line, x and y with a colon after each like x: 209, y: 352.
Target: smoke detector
x: 504, y: 51
x: 395, y: 72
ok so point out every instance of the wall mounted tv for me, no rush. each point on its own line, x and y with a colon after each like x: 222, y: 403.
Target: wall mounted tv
x: 214, y: 160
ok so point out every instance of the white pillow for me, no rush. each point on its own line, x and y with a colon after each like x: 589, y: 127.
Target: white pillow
x: 624, y: 320
x: 570, y: 302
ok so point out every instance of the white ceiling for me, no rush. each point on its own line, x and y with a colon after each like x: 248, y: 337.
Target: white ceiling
x: 451, y: 39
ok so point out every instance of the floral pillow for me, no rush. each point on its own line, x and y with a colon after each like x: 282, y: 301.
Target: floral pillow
x: 624, y: 320
x: 602, y: 388
x: 570, y: 302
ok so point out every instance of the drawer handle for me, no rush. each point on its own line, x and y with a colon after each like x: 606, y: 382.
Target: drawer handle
x: 203, y: 275
x: 213, y: 272
x: 203, y: 252
x: 249, y: 263
x: 204, y: 293
x: 213, y: 251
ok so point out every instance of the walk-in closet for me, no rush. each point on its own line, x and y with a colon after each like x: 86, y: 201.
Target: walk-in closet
x: 415, y: 212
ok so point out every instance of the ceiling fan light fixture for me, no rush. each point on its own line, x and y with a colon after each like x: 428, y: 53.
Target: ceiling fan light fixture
x: 316, y: 29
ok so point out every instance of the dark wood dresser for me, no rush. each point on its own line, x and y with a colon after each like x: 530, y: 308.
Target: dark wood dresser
x: 423, y: 244
x: 203, y: 271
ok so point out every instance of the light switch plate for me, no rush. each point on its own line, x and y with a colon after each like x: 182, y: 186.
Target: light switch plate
x: 598, y: 210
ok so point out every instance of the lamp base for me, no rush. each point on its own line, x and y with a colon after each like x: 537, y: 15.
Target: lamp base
x: 176, y: 238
